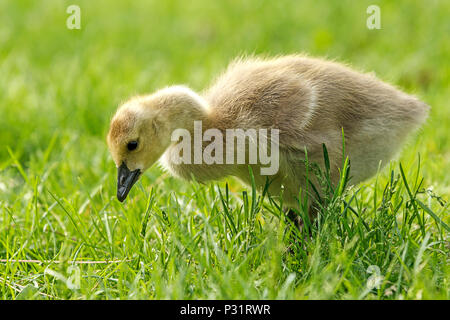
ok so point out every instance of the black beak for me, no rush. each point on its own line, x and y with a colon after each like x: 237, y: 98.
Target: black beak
x: 125, y: 180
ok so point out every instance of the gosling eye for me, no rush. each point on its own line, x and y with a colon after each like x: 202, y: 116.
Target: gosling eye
x: 132, y: 145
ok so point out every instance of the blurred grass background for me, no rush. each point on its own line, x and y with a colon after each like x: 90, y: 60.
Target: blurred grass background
x: 60, y: 87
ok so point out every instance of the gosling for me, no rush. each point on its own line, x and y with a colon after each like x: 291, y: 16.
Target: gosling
x: 309, y: 101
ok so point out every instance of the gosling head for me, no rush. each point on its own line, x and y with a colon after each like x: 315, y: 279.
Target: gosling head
x: 140, y: 131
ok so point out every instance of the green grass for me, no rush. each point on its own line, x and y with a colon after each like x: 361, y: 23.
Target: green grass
x: 176, y: 240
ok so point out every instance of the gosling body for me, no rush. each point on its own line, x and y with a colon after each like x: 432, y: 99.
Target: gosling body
x: 310, y: 101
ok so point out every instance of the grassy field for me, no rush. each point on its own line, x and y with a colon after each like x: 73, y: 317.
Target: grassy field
x: 176, y: 240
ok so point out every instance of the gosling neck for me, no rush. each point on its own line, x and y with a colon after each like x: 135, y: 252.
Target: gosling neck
x: 180, y: 107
